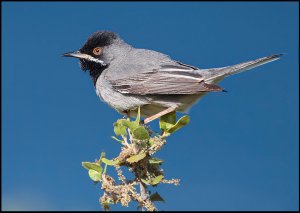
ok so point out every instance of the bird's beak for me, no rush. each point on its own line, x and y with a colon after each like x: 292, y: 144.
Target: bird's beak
x: 78, y: 54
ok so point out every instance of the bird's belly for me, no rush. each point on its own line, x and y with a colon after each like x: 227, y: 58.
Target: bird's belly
x: 159, y: 103
x: 150, y: 104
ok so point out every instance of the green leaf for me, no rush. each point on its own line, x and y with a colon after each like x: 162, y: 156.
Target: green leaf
x: 132, y: 125
x: 156, y: 180
x: 155, y: 161
x: 93, y: 166
x: 110, y: 162
x: 119, y: 129
x: 121, y: 121
x: 94, y: 175
x: 179, y: 124
x: 136, y: 158
x: 156, y: 197
x: 145, y: 181
x: 153, y: 181
x: 140, y: 133
x: 167, y: 121
x: 120, y: 141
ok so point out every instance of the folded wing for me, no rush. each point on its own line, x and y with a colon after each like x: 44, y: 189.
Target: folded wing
x: 175, y: 78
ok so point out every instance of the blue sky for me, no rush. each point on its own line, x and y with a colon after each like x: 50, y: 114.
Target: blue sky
x: 240, y: 150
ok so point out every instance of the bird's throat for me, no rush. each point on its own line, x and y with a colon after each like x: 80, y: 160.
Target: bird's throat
x: 95, y: 72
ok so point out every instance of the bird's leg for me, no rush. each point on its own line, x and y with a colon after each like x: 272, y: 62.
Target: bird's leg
x: 153, y: 117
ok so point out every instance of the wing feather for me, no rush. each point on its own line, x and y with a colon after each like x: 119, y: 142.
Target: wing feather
x: 169, y: 79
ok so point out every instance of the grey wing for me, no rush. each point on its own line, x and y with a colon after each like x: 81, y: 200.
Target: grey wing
x: 169, y: 78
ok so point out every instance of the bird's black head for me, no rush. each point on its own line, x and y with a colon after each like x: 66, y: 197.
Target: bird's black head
x: 93, y: 54
x: 98, y: 39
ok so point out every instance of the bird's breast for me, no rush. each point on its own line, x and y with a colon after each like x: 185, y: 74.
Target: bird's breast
x: 117, y: 100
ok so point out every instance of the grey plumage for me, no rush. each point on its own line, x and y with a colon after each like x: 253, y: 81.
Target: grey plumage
x: 126, y: 77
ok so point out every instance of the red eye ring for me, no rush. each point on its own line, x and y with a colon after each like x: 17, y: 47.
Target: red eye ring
x: 97, y: 50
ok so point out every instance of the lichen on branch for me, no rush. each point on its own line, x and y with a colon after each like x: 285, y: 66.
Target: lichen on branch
x: 138, y: 146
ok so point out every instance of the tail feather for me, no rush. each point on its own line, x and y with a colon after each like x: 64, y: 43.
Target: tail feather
x: 215, y: 75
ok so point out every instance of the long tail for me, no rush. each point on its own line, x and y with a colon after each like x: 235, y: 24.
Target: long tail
x: 215, y: 75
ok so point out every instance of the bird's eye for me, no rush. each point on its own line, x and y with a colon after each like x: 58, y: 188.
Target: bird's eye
x: 97, y: 50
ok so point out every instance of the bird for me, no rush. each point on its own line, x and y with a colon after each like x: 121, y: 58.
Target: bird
x: 128, y: 78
